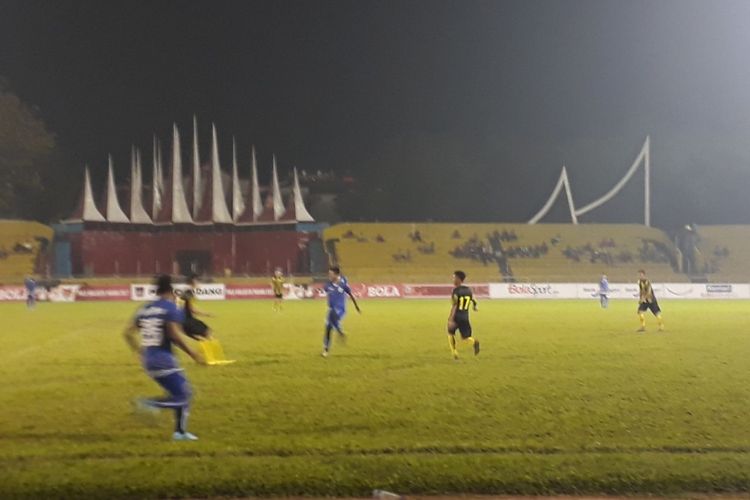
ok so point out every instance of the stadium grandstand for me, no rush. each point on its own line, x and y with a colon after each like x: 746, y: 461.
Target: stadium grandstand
x: 501, y: 252
x: 221, y: 225
x: 723, y: 252
x: 23, y: 245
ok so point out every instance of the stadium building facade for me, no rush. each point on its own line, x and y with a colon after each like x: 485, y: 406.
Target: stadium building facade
x: 192, y: 225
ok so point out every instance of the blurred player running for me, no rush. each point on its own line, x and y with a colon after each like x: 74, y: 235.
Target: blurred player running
x: 463, y: 299
x: 30, y: 286
x: 647, y: 301
x: 337, y: 290
x: 159, y: 324
x: 277, y: 283
x: 194, y: 328
x: 604, y: 291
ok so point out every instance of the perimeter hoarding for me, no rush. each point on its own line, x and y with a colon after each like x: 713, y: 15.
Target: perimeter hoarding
x: 500, y: 291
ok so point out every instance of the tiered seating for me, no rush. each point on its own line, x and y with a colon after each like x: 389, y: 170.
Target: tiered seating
x: 628, y: 239
x: 724, y: 252
x: 16, y: 262
x: 366, y: 259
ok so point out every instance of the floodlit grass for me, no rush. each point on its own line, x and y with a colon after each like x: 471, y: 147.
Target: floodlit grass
x: 564, y: 398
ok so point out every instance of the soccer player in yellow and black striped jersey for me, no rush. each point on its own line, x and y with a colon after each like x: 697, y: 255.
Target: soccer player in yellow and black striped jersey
x: 463, y: 300
x: 277, y: 283
x: 647, y: 301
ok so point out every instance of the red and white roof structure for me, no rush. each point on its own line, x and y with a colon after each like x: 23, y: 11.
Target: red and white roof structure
x: 206, y: 201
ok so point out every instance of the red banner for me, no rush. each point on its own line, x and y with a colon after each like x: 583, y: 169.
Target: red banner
x: 437, y: 291
x: 69, y: 293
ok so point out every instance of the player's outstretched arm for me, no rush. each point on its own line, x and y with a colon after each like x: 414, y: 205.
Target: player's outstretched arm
x: 452, y: 315
x: 131, y: 338
x: 173, y: 331
x: 354, y: 301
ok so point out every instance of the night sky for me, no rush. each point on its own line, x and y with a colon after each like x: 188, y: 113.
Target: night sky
x: 461, y: 110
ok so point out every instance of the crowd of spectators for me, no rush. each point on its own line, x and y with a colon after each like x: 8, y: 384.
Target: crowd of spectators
x: 527, y: 252
x: 651, y: 251
x: 402, y: 256
x: 474, y: 249
x: 588, y: 253
x: 505, y: 236
x: 349, y: 235
x: 427, y: 248
x: 721, y: 252
x: 21, y: 247
x: 654, y: 252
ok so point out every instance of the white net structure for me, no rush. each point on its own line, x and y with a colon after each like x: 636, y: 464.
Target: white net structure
x: 643, y: 158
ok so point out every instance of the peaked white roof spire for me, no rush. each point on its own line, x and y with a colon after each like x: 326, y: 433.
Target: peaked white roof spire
x: 87, y: 210
x: 180, y: 211
x: 257, y: 202
x: 219, y: 210
x: 300, y: 211
x: 138, y: 214
x: 113, y: 209
x: 197, y: 187
x: 157, y: 183
x: 238, y: 203
x: 278, y: 202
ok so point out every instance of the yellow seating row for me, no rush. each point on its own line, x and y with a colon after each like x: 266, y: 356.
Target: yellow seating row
x: 14, y: 265
x: 367, y: 250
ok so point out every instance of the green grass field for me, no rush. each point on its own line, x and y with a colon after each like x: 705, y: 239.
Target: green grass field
x: 564, y: 398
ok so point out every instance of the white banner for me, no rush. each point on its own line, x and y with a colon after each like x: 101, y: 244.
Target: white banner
x: 62, y: 293
x: 533, y: 291
x: 204, y: 291
x: 667, y: 291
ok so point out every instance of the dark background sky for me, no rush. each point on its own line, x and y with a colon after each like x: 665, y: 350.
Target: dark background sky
x: 460, y: 109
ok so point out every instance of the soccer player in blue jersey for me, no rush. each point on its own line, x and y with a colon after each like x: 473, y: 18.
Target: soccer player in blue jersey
x: 159, y: 324
x: 604, y: 291
x: 30, y: 286
x: 337, y: 290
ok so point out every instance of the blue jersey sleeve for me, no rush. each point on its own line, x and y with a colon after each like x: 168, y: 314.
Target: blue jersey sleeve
x: 175, y: 314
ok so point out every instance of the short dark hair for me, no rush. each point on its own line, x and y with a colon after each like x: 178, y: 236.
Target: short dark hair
x: 460, y: 275
x: 335, y: 269
x: 192, y: 278
x: 163, y: 284
x: 641, y: 271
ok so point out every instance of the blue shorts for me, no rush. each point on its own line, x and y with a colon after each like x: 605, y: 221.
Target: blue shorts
x: 162, y: 366
x: 334, y: 318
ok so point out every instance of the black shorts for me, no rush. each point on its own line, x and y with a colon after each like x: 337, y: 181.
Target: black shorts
x: 463, y: 326
x: 195, y: 328
x: 278, y: 295
x: 649, y: 306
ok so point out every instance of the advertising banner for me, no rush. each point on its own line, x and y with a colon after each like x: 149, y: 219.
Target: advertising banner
x: 513, y: 291
x: 111, y: 292
x: 533, y: 291
x: 204, y: 291
x: 64, y: 293
x: 440, y: 291
x: 12, y: 293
